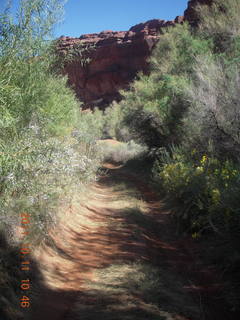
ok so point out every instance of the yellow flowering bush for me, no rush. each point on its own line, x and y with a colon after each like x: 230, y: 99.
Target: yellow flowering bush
x: 205, y: 191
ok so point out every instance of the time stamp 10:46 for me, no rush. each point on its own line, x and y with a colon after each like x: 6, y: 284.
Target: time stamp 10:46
x: 25, y: 251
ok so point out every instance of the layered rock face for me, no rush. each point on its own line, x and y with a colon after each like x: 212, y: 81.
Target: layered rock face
x: 115, y: 59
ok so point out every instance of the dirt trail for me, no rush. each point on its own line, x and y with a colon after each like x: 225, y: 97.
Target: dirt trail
x: 116, y: 256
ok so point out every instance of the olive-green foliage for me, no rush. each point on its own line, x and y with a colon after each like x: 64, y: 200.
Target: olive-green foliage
x: 188, y: 107
x: 220, y: 22
x: 42, y: 153
x: 113, y: 122
x: 29, y: 93
x: 204, y: 189
x: 190, y: 99
x: 45, y: 153
x: 91, y: 125
x: 212, y: 123
x: 32, y: 97
x: 154, y: 106
x: 176, y: 51
x: 204, y: 194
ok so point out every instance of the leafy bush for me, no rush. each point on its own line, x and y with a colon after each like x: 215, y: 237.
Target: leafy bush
x: 204, y: 194
x: 213, y: 118
x: 220, y: 22
x: 43, y: 153
x: 176, y: 51
x: 154, y: 107
x: 205, y: 190
x: 35, y: 176
x: 189, y: 106
x: 113, y: 121
x: 90, y: 125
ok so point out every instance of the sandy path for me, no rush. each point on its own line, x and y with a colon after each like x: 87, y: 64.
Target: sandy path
x: 110, y: 249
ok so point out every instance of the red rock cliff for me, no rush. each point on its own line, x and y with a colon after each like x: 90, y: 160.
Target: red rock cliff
x: 116, y: 58
x: 114, y: 61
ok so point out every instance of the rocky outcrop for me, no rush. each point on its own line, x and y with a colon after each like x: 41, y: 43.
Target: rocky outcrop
x: 115, y: 59
x: 190, y: 13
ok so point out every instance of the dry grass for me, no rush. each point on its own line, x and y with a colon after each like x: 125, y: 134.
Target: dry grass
x: 120, y: 152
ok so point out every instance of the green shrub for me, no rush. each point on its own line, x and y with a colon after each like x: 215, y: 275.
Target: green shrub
x: 121, y: 152
x: 205, y: 191
x: 204, y: 195
x: 190, y: 100
x: 220, y: 22
x: 45, y: 153
x: 90, y: 125
x: 211, y: 123
x: 42, y: 153
x: 176, y: 51
x: 113, y: 121
x: 154, y: 107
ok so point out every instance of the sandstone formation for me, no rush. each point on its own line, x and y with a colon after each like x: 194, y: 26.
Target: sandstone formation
x: 115, y: 60
x: 115, y: 57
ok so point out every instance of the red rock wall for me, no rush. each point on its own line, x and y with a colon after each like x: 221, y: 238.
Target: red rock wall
x: 115, y: 61
x: 116, y: 58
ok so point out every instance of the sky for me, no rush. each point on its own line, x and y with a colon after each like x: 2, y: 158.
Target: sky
x: 90, y: 16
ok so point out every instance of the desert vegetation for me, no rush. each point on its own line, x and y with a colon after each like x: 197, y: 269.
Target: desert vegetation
x: 48, y: 147
x: 180, y: 123
x: 45, y: 149
x: 187, y: 112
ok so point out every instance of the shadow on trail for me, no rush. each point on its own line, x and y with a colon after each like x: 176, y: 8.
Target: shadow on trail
x: 118, y: 258
x: 11, y: 276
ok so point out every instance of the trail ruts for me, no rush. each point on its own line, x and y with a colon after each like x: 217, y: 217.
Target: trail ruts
x: 116, y: 256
